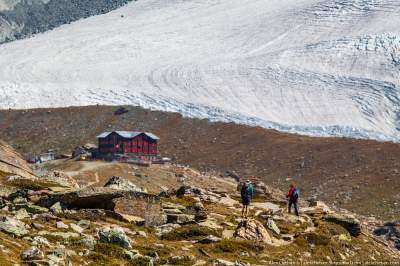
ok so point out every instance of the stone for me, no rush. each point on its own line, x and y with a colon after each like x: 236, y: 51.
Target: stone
x: 351, y: 224
x: 165, y: 229
x: 13, y: 226
x: 6, y: 191
x: 40, y: 241
x: 179, y: 260
x: 273, y: 227
x: 203, y: 194
x: 317, y: 208
x: 133, y: 219
x: 261, y: 189
x: 253, y: 230
x: 56, y: 208
x: 64, y: 235
x: 258, y: 213
x: 197, y: 209
x: 57, y: 256
x: 268, y: 207
x: 200, y: 263
x: 120, y: 183
x: 228, y: 201
x: 115, y: 236
x: 37, y: 226
x: 60, y: 179
x: 20, y: 200
x: 88, y: 241
x: 228, y: 234
x: 31, y: 208
x: 32, y: 253
x: 61, y: 225
x: 85, y: 224
x: 76, y: 228
x: 221, y: 262
x: 209, y: 239
x: 145, y: 205
x: 45, y: 217
x: 142, y: 234
x: 92, y: 198
x: 217, y: 216
x: 172, y: 211
x: 130, y: 254
x: 228, y: 224
x: 21, y: 214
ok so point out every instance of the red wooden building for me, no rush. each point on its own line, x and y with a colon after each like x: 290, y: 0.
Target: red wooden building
x: 142, y: 145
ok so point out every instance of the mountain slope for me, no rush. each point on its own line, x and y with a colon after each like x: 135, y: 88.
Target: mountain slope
x: 358, y: 175
x: 22, y: 18
x: 325, y: 68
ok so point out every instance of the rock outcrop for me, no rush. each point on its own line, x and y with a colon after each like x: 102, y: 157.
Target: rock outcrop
x: 32, y: 253
x: 19, y: 19
x: 115, y: 236
x: 120, y: 183
x: 251, y: 229
x: 13, y: 226
x: 350, y: 223
x: 12, y: 163
x: 390, y: 232
x: 203, y: 194
x: 60, y: 178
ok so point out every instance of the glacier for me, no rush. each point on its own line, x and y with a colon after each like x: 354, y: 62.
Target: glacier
x: 319, y: 68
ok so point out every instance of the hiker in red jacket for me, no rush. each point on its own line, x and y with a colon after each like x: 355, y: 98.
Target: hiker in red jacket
x: 293, y: 196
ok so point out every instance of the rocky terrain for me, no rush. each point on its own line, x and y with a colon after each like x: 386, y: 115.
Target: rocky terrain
x: 23, y: 18
x: 185, y: 218
x: 358, y: 175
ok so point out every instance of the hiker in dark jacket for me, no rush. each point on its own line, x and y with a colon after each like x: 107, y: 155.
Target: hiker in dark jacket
x: 293, y: 196
x: 246, y: 194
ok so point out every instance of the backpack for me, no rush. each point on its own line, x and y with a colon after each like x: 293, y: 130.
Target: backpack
x: 296, y: 193
x: 246, y: 190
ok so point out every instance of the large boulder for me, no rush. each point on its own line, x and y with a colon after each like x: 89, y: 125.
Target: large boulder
x: 165, y: 229
x: 197, y: 209
x: 176, y: 213
x: 350, y: 223
x: 144, y: 205
x: 203, y: 194
x: 253, y: 230
x: 260, y: 188
x: 115, y: 236
x: 120, y: 183
x: 37, y: 184
x: 59, y: 178
x: 13, y: 226
x: 32, y: 253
